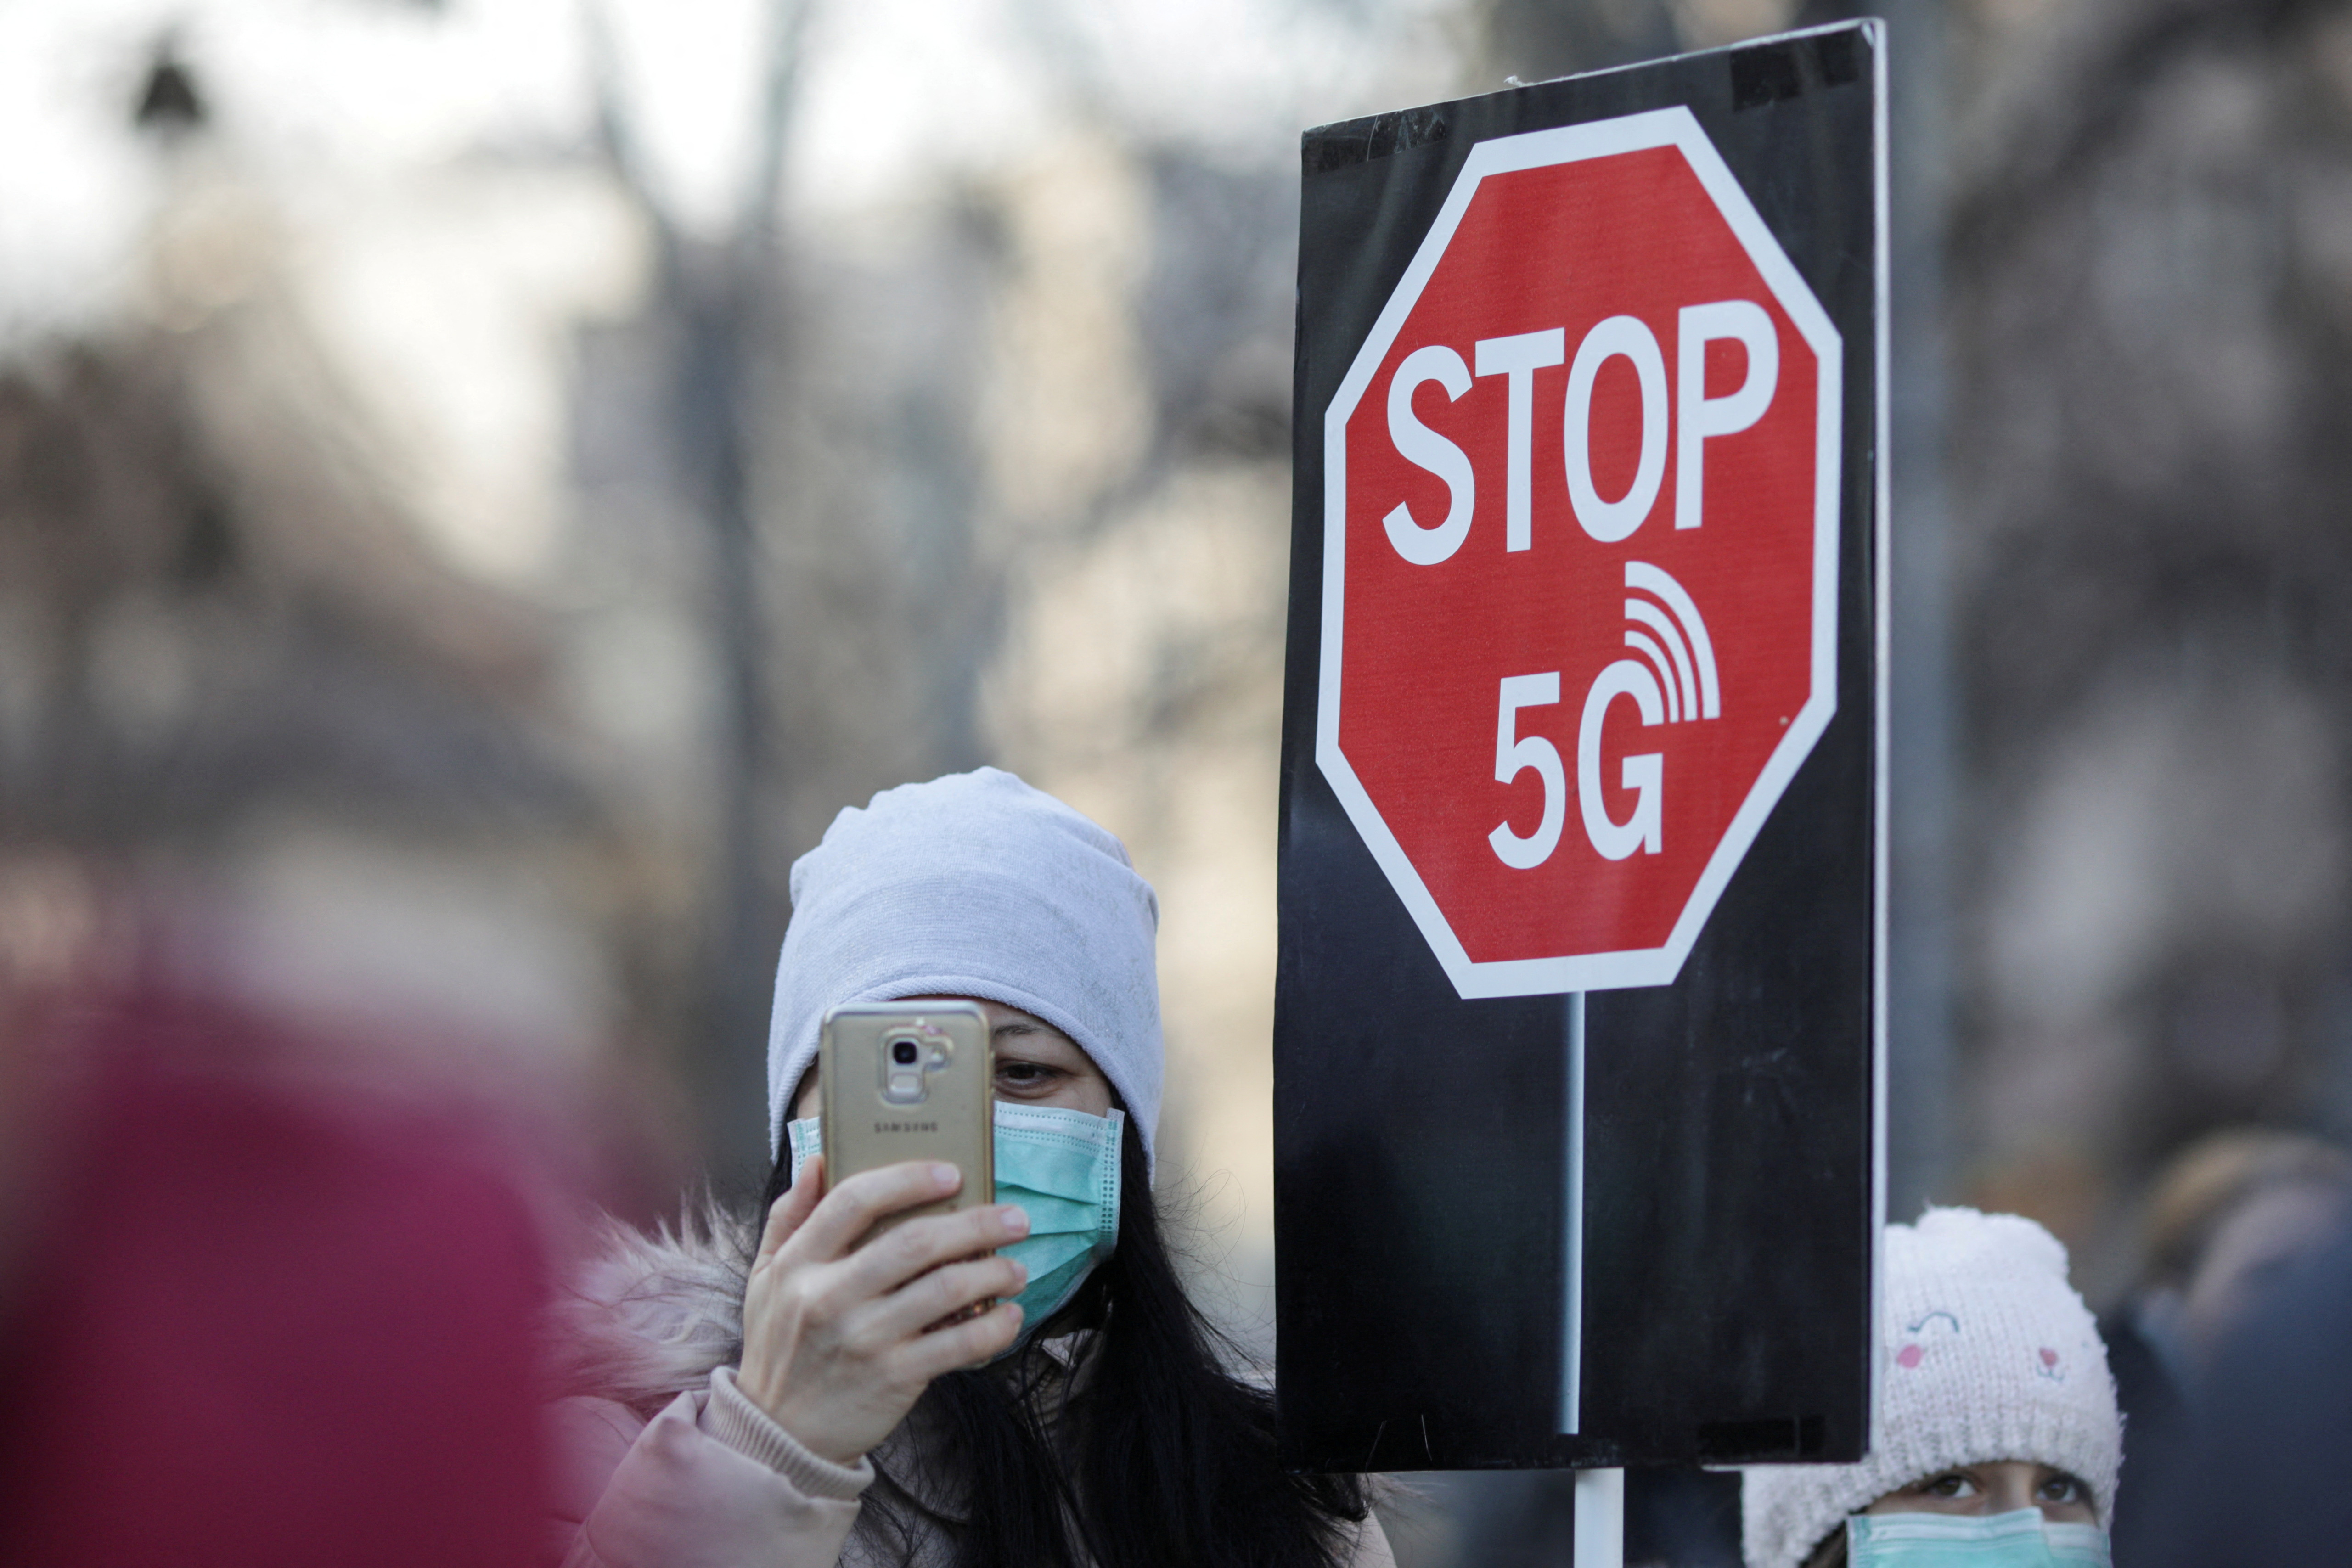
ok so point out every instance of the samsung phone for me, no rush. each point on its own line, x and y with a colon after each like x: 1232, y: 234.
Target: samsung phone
x: 909, y: 1081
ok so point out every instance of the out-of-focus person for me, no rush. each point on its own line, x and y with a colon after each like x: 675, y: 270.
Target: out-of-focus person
x: 254, y: 1317
x: 2226, y: 1218
x: 2259, y: 1479
x: 774, y: 1393
x: 1998, y: 1442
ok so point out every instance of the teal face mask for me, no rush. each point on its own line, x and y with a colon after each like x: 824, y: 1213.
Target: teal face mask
x: 2020, y: 1540
x: 1062, y: 1168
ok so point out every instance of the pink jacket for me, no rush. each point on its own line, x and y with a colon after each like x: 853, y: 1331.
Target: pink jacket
x: 668, y: 1464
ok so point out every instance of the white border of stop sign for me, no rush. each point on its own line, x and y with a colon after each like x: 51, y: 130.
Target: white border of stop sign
x: 1541, y: 149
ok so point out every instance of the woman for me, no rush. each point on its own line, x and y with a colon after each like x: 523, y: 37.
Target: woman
x: 1998, y: 1440
x: 804, y: 1401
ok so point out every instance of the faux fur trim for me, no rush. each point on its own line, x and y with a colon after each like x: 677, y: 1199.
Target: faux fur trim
x: 646, y: 1318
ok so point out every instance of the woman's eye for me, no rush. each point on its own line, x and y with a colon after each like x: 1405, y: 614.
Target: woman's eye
x: 1024, y: 1074
x: 1951, y: 1486
x: 2063, y: 1489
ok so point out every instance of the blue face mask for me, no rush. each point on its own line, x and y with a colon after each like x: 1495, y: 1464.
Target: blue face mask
x: 1062, y: 1168
x: 2020, y: 1540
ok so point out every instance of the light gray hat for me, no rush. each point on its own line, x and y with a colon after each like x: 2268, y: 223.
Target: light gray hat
x: 973, y: 886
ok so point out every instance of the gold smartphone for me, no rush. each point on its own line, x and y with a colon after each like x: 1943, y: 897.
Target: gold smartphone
x: 909, y: 1081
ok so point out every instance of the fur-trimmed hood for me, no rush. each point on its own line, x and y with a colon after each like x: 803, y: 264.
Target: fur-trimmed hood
x: 647, y: 1317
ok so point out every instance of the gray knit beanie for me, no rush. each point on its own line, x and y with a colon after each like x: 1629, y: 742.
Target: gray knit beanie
x: 1986, y: 1354
x: 973, y: 886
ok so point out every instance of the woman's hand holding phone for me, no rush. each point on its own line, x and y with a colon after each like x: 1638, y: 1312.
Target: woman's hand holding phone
x: 835, y: 1341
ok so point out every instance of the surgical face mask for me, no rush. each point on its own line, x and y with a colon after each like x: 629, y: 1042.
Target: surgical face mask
x: 1062, y: 1168
x: 2020, y: 1540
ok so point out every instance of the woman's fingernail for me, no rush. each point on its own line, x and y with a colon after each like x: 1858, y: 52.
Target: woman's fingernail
x: 1016, y: 1222
x: 1019, y: 1274
x: 945, y: 1177
x: 1014, y: 1308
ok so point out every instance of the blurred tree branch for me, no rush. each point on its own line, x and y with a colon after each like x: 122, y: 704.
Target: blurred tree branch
x: 718, y: 298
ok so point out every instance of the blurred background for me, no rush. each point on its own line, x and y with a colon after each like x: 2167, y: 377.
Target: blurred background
x: 483, y: 481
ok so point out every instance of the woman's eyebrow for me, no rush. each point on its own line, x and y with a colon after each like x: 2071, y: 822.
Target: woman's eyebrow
x: 1013, y: 1027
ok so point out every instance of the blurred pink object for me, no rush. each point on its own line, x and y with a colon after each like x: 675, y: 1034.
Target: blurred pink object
x: 256, y: 1319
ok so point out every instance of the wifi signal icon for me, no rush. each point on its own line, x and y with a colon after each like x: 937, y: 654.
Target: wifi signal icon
x: 1674, y: 681
x: 1682, y: 653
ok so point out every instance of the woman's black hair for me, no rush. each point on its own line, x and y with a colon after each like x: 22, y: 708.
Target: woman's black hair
x: 1160, y: 1458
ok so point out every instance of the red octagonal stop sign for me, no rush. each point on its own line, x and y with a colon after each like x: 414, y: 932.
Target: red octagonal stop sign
x: 1581, y: 557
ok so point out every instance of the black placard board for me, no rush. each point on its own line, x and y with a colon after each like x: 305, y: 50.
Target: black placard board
x: 1583, y: 1221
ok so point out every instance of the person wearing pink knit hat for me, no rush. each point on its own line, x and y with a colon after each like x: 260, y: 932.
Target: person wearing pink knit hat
x: 1998, y: 1440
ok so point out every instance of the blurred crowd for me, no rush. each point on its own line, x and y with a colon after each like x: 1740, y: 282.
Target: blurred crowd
x: 483, y: 481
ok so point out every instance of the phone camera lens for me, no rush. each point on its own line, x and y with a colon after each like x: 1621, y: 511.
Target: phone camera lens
x: 903, y: 1052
